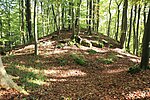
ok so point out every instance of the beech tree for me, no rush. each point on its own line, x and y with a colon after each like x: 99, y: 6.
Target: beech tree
x: 146, y: 44
x: 6, y: 80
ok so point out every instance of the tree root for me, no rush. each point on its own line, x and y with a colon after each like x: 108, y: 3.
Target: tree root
x: 7, y: 83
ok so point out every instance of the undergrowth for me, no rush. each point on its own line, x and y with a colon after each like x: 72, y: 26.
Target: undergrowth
x: 29, y: 77
x: 109, y: 59
x: 79, y: 59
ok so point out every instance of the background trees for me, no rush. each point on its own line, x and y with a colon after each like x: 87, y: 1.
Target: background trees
x: 123, y: 20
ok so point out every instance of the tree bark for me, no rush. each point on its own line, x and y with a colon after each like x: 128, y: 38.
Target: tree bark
x: 118, y: 18
x: 109, y: 22
x: 130, y: 30
x: 124, y: 24
x: 28, y: 19
x: 137, y: 31
x: 134, y: 32
x: 146, y: 45
x: 22, y: 21
x: 90, y: 18
x: 98, y: 7
x: 35, y: 29
x: 6, y: 80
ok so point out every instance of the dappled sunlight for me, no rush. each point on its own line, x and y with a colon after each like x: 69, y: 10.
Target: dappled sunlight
x: 138, y: 95
x: 113, y: 71
x: 57, y: 80
x: 30, y: 69
x: 39, y: 82
x: 56, y: 51
x: 135, y: 60
x: 64, y: 73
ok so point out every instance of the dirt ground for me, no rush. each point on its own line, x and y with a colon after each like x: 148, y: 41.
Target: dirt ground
x: 67, y: 80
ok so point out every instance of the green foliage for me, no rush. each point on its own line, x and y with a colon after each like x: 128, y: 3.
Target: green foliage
x: 60, y: 45
x: 110, y: 45
x: 105, y: 60
x: 109, y: 59
x: 29, y: 78
x: 112, y: 56
x: 91, y: 51
x: 78, y: 59
x: 101, y: 45
x: 72, y: 42
x: 134, y: 69
x: 62, y: 61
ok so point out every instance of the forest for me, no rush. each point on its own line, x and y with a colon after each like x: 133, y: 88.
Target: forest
x: 74, y: 49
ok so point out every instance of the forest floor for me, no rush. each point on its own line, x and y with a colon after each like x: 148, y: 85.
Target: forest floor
x: 73, y: 73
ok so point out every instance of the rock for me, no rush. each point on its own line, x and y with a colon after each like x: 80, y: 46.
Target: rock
x: 86, y: 43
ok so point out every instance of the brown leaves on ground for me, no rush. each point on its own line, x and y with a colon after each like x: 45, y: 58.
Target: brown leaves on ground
x: 104, y: 75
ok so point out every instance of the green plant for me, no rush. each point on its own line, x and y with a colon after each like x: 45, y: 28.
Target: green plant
x: 105, y: 60
x: 110, y: 45
x: 101, y: 45
x: 60, y: 45
x: 27, y: 76
x: 112, y: 56
x: 62, y: 61
x: 134, y: 69
x: 78, y: 59
x: 91, y: 51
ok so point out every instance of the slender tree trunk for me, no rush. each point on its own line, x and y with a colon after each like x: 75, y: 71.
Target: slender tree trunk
x: 87, y: 14
x: 55, y: 19
x: 130, y: 30
x: 144, y: 14
x: 94, y: 3
x: 73, y: 20
x: 77, y: 23
x: 98, y: 7
x: 42, y: 14
x: 69, y: 20
x: 62, y: 16
x: 22, y: 21
x: 124, y: 24
x: 35, y: 28
x: 90, y: 18
x: 134, y: 32
x: 48, y: 18
x: 118, y: 18
x: 109, y: 22
x: 28, y: 19
x: 137, y: 31
x: 146, y: 45
x: 1, y: 29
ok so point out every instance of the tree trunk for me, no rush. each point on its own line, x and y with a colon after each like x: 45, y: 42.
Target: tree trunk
x: 134, y: 32
x: 118, y: 18
x: 6, y: 80
x: 77, y: 23
x: 98, y: 7
x: 90, y: 18
x: 109, y: 22
x: 43, y: 29
x: 87, y: 14
x: 22, y: 21
x: 55, y: 19
x: 137, y: 31
x: 69, y: 20
x: 146, y: 42
x: 94, y: 3
x: 73, y: 20
x: 62, y: 16
x: 130, y: 30
x: 28, y: 19
x: 35, y: 28
x: 124, y: 24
